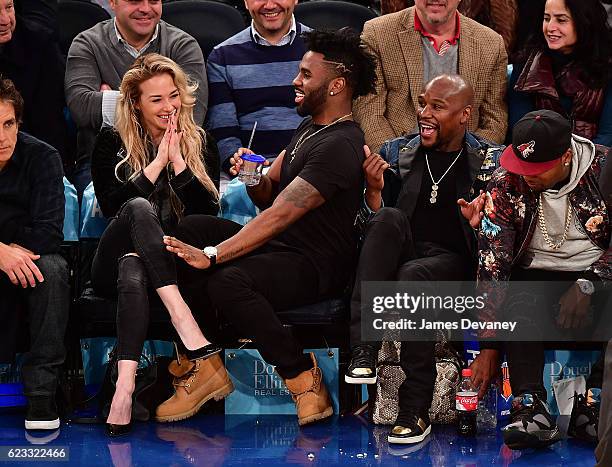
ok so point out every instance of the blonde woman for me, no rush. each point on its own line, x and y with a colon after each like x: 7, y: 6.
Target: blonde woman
x: 149, y: 172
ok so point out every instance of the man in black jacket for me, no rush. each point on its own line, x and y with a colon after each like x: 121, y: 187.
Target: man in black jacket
x: 30, y: 58
x: 34, y: 277
x: 417, y: 232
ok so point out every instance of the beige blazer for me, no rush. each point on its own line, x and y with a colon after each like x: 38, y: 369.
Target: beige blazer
x: 398, y: 48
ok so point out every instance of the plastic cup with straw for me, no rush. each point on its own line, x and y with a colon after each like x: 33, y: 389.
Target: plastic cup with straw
x: 252, y: 165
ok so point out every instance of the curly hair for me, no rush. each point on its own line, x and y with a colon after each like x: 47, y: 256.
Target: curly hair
x: 352, y: 61
x: 593, y: 50
x: 135, y: 138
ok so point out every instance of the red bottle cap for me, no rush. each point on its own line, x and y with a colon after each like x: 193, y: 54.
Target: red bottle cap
x: 467, y: 373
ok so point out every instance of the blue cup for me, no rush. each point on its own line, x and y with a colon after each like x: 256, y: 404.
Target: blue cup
x: 250, y: 172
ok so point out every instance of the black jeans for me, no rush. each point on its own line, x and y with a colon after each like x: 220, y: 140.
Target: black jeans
x: 249, y: 290
x: 526, y: 359
x: 135, y: 230
x: 390, y: 254
x: 46, y: 307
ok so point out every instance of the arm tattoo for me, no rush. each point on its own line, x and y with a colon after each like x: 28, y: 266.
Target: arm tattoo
x: 301, y: 194
x: 234, y: 254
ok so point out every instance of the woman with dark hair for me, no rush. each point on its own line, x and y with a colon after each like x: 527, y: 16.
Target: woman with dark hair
x: 567, y: 67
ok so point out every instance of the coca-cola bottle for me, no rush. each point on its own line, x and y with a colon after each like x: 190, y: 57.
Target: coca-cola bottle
x: 466, y: 403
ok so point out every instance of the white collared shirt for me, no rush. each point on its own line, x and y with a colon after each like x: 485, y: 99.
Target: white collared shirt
x: 130, y: 49
x: 285, y: 40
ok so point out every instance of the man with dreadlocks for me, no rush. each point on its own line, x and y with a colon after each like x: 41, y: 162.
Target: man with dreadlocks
x: 302, y: 246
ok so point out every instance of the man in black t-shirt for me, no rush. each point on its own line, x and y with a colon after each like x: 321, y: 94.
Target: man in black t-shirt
x: 302, y: 245
x: 424, y: 233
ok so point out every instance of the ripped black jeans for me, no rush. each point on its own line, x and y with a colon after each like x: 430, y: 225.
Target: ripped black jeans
x: 132, y: 259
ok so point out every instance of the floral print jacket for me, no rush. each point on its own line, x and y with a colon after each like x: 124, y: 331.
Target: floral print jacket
x: 511, y: 217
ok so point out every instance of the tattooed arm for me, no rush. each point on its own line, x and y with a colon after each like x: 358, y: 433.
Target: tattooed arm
x: 291, y: 204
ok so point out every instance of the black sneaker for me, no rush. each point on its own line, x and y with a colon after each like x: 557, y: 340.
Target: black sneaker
x: 532, y: 425
x: 362, y: 368
x: 41, y: 414
x: 410, y: 427
x: 585, y: 416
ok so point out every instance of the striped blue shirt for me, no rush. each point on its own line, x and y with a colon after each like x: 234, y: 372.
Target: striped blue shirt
x: 250, y: 82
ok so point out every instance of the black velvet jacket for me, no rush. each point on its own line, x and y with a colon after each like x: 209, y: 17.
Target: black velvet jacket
x: 112, y: 193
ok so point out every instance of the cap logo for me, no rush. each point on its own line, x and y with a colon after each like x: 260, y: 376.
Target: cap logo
x: 526, y: 149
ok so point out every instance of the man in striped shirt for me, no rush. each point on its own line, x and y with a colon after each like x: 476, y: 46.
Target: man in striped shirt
x: 250, y: 76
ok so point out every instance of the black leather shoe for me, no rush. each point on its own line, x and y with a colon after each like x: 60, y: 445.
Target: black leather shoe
x: 113, y: 430
x: 203, y: 352
x: 411, y: 427
x: 362, y: 368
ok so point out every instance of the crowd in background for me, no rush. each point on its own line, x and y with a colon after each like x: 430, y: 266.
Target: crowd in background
x: 137, y: 111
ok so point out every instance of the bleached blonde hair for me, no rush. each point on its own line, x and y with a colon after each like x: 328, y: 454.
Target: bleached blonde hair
x: 134, y: 136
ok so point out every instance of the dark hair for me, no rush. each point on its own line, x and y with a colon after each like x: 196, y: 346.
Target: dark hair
x: 344, y: 47
x: 593, y: 50
x: 10, y: 95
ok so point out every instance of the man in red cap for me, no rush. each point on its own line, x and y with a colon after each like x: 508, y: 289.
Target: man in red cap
x: 545, y: 219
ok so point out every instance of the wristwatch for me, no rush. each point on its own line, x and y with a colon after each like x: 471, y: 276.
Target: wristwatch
x: 585, y: 286
x: 211, y: 253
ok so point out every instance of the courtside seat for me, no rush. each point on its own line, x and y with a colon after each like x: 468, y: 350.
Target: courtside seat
x: 96, y: 316
x: 316, y: 325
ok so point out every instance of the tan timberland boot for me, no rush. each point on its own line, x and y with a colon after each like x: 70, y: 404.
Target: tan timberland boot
x: 195, y: 382
x: 310, y: 395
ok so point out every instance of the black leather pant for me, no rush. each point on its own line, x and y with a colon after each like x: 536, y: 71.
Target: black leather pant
x: 132, y: 258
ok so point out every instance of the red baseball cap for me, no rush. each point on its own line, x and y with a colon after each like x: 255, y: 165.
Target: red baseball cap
x: 539, y: 140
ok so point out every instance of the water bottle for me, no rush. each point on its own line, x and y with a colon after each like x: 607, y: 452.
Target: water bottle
x: 487, y: 409
x: 466, y: 403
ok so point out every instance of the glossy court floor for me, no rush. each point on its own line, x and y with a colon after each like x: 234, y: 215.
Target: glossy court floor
x: 216, y: 440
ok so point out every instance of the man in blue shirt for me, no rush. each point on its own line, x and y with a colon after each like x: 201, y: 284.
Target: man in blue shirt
x: 250, y: 76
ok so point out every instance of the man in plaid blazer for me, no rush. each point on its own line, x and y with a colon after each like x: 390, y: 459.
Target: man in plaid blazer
x: 415, y: 45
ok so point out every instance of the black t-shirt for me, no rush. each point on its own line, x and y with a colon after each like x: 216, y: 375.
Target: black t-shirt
x: 331, y: 162
x: 439, y: 222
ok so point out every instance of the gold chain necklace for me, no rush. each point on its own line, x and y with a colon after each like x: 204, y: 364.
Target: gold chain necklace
x: 544, y: 230
x: 302, y: 140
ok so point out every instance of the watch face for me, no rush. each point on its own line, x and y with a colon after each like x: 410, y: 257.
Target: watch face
x: 586, y: 287
x: 210, y: 251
